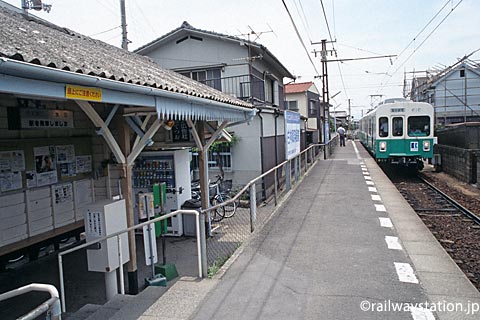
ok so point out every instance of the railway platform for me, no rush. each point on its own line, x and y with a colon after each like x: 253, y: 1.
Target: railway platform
x: 344, y: 245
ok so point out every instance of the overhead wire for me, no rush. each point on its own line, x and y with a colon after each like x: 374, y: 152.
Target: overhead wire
x: 421, y: 44
x: 300, y: 37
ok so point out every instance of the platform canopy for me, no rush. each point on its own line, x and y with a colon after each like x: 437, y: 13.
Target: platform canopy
x: 41, y: 60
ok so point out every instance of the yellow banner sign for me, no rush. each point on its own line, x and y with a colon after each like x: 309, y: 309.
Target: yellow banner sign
x: 83, y: 93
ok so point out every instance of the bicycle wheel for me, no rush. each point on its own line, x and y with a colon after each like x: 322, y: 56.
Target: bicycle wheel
x: 230, y: 208
x: 216, y: 215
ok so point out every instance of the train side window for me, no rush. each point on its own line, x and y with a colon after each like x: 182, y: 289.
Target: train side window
x: 418, y: 126
x: 383, y: 127
x: 397, y: 124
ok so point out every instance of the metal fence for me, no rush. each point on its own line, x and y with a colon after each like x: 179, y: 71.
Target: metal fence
x: 228, y: 234
x: 216, y: 243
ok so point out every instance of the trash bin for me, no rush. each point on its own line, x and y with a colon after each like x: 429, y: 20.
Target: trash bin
x: 189, y: 226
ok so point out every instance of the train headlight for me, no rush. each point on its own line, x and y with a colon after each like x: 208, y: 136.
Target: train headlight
x: 426, y: 145
x: 383, y: 146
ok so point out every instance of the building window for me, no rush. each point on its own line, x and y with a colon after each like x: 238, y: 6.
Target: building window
x: 222, y: 156
x: 210, y: 77
x: 462, y: 73
x: 312, y: 108
x: 292, y: 105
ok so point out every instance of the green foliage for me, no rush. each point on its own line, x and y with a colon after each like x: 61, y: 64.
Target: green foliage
x: 217, y: 264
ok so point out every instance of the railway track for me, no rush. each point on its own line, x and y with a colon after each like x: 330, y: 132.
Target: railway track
x: 456, y: 227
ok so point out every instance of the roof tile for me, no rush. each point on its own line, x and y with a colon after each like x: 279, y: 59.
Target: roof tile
x: 32, y: 40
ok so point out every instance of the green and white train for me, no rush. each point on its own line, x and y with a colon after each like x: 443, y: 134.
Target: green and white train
x: 399, y: 131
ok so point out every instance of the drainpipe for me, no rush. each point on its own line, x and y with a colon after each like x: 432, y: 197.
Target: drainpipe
x: 277, y: 114
x: 261, y: 150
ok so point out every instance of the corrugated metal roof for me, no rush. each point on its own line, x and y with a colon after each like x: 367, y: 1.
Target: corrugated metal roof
x: 31, y: 40
x: 298, y: 87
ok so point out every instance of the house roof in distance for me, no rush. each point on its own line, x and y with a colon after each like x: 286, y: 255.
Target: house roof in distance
x: 35, y: 41
x: 298, y: 87
x: 186, y: 28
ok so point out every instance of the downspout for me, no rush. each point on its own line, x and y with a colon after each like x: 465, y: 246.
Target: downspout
x: 261, y: 150
x: 277, y: 114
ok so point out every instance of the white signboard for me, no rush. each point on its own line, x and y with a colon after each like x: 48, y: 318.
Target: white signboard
x: 292, y: 134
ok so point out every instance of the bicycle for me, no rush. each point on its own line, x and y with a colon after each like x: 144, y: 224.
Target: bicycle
x: 218, y: 194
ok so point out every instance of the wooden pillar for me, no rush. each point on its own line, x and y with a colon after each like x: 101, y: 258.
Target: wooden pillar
x: 124, y: 142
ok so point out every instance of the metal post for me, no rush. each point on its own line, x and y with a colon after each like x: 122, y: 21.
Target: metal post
x: 276, y: 186
x: 296, y: 164
x: 253, y: 207
x: 288, y: 172
x: 150, y: 244
x: 120, y: 265
x: 199, y: 243
x: 124, y: 25
x: 111, y: 288
x: 203, y: 243
x: 62, y: 286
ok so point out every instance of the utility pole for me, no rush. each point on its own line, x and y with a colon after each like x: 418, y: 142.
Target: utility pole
x: 325, y: 97
x: 124, y: 25
x: 349, y: 117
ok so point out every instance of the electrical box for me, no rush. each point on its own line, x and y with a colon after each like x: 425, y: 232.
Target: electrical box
x: 103, y: 218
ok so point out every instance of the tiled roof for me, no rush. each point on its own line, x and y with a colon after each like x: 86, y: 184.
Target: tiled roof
x: 298, y: 87
x: 35, y: 41
x: 188, y: 27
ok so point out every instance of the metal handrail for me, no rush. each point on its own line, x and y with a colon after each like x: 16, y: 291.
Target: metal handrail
x: 118, y: 234
x: 251, y: 182
x: 52, y: 304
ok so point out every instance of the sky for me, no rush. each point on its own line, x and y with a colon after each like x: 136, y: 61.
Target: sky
x: 421, y: 34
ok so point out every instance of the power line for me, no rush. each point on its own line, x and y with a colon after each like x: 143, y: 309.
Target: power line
x: 326, y: 21
x: 423, y: 29
x: 300, y: 37
x: 102, y: 32
x: 426, y: 38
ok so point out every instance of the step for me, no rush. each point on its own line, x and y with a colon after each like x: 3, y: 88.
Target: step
x: 82, y: 313
x: 111, y: 307
x: 141, y: 302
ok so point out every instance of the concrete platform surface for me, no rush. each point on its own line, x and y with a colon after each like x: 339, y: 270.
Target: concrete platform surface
x: 344, y: 245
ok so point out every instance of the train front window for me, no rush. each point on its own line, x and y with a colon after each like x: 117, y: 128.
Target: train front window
x: 419, y: 126
x: 397, y: 126
x: 383, y: 127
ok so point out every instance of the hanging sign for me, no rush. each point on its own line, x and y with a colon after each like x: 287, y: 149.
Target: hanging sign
x: 292, y: 134
x: 83, y: 93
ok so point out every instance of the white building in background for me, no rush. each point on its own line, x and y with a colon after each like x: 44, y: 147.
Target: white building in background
x: 241, y: 68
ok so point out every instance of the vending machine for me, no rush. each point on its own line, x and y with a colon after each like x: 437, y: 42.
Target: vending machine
x: 171, y: 167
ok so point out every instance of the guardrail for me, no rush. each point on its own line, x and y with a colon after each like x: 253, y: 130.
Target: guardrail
x: 301, y: 163
x: 229, y: 233
x: 51, y: 306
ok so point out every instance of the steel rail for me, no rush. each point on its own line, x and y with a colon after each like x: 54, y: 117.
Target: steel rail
x: 457, y: 205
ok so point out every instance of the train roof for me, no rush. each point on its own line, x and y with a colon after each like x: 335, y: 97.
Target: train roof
x: 386, y: 102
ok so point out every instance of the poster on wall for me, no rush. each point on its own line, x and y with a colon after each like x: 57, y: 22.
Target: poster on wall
x: 65, y: 154
x: 84, y: 164
x: 63, y: 193
x: 67, y: 169
x: 31, y: 179
x: 292, y: 134
x: 12, y: 160
x: 10, y: 181
x: 45, y: 166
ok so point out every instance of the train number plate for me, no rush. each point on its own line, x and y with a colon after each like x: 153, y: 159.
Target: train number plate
x: 413, y: 145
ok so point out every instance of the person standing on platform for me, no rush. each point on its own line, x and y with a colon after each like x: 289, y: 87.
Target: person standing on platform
x: 341, y: 133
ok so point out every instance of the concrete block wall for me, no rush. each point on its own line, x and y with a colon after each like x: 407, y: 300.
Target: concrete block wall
x: 462, y: 164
